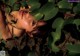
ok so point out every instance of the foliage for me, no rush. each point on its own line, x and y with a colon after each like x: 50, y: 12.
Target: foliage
x: 62, y: 37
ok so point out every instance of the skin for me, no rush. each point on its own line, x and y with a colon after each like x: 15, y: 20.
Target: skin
x: 25, y: 23
x: 3, y: 28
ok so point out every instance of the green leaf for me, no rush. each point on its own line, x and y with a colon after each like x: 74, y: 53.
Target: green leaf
x: 58, y: 23
x: 11, y: 2
x: 16, y: 7
x: 38, y: 16
x: 49, y: 10
x: 56, y: 35
x: 77, y: 22
x: 73, y: 48
x: 50, y: 40
x: 34, y: 4
x: 51, y: 0
x: 55, y: 48
x: 64, y: 4
x: 69, y: 21
x: 76, y: 8
x: 24, y: 3
x: 8, y: 9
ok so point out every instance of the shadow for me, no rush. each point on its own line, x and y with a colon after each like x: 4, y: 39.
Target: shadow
x: 73, y: 30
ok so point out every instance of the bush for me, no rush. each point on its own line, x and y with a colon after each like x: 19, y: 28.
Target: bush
x: 59, y: 37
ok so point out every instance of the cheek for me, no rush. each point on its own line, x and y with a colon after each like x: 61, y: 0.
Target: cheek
x: 24, y: 24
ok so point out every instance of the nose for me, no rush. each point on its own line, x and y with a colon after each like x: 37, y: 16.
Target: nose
x: 41, y: 23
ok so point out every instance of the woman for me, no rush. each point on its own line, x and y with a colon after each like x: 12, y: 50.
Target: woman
x: 18, y: 22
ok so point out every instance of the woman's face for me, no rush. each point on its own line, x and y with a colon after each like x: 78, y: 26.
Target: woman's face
x: 24, y: 20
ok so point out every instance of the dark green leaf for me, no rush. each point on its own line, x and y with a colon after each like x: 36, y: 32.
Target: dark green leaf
x: 51, y: 0
x: 34, y: 4
x: 76, y: 8
x: 77, y: 22
x: 16, y: 7
x: 49, y: 10
x: 74, y: 54
x: 24, y: 3
x: 56, y: 35
x: 65, y: 4
x: 69, y: 21
x: 38, y: 16
x: 73, y: 48
x: 58, y: 23
x: 50, y: 40
x: 11, y: 2
x: 54, y: 48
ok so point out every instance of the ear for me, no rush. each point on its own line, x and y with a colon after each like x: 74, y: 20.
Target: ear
x: 41, y: 23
